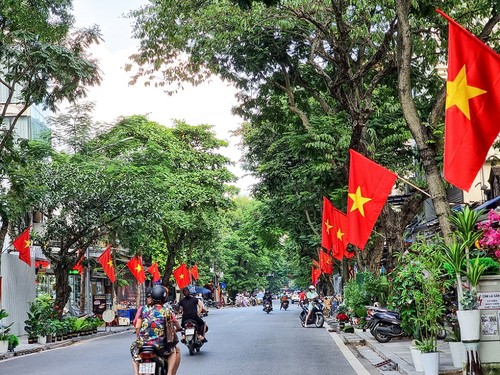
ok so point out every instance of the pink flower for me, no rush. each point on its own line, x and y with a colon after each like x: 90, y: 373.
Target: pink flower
x: 497, y: 253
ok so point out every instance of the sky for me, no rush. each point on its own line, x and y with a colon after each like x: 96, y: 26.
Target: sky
x: 209, y: 103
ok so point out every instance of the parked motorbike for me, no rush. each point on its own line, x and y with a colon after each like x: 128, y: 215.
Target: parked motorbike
x: 316, y: 316
x: 268, y: 307
x: 152, y: 362
x: 385, y: 324
x: 284, y: 305
x: 192, y: 341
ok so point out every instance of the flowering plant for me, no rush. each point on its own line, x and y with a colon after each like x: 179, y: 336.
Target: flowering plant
x: 341, y: 317
x: 491, y: 234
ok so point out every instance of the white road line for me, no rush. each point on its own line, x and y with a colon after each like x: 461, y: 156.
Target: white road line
x: 225, y: 324
x: 351, y: 358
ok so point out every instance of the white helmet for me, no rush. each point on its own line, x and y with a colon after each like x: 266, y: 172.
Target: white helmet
x: 312, y: 287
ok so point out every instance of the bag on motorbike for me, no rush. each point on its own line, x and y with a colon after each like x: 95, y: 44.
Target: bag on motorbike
x: 171, y: 339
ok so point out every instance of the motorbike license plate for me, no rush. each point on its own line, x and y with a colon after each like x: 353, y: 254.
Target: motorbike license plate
x: 147, y: 368
x: 190, y: 331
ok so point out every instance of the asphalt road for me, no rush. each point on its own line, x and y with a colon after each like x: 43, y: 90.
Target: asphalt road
x: 241, y: 341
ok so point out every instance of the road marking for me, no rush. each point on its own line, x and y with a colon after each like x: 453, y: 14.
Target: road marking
x: 225, y: 324
x: 356, y: 365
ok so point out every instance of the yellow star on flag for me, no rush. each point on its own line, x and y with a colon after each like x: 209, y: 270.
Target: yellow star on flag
x: 138, y: 268
x: 358, y: 201
x: 458, y: 92
x: 27, y: 244
x: 110, y: 263
x: 328, y: 226
x: 340, y: 234
x: 181, y: 276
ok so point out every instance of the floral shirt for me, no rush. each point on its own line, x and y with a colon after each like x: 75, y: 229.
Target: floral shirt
x: 152, y: 330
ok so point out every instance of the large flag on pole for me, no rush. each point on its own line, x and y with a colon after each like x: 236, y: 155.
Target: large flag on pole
x: 22, y: 244
x: 194, y: 272
x: 153, y: 270
x: 472, y: 103
x: 181, y: 275
x: 136, y: 268
x: 339, y: 234
x: 107, y: 264
x: 315, y: 274
x: 327, y: 230
x: 369, y: 186
x: 325, y: 262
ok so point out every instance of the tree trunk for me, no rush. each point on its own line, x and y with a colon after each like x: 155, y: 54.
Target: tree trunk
x: 418, y: 130
x: 62, y: 287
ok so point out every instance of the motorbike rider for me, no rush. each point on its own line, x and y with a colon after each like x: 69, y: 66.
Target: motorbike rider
x: 267, y: 298
x: 284, y: 301
x: 191, y: 309
x: 311, y: 296
x: 152, y: 327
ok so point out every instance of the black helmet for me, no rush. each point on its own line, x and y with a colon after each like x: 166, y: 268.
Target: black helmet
x: 159, y: 294
x: 148, y: 291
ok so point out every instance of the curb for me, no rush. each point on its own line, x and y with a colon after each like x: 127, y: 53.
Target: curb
x: 56, y: 345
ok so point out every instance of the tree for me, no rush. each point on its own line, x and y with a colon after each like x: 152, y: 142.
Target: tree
x: 185, y: 186
x: 44, y: 61
x: 324, y: 64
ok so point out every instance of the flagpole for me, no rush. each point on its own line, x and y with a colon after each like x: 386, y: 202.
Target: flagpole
x: 413, y: 185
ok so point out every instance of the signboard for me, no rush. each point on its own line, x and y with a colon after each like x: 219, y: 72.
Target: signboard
x: 98, y: 304
x: 489, y: 300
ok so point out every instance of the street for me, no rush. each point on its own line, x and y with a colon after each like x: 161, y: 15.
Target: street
x: 241, y: 341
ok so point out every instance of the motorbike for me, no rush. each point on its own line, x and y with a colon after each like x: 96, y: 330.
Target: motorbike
x: 151, y: 362
x: 193, y: 343
x: 284, y: 304
x: 268, y: 307
x: 316, y: 316
x: 385, y: 324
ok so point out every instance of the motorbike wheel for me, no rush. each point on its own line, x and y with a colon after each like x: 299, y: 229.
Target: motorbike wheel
x: 191, y: 348
x: 441, y: 334
x: 381, y: 337
x: 320, y: 320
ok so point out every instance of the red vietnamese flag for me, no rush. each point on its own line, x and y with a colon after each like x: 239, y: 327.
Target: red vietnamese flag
x: 194, y: 272
x: 22, y: 244
x: 472, y: 103
x: 136, y: 268
x: 181, y: 275
x: 325, y: 262
x: 315, y: 274
x: 339, y: 234
x: 369, y: 186
x: 153, y: 270
x: 107, y: 264
x: 79, y: 267
x: 327, y: 230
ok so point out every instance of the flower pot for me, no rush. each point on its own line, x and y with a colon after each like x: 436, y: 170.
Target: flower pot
x: 457, y: 351
x: 470, y: 323
x: 32, y: 340
x: 42, y: 340
x: 4, y: 346
x: 431, y: 363
x: 416, y: 355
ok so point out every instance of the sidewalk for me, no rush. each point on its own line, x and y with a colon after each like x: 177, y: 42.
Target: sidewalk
x: 394, y: 355
x: 24, y: 348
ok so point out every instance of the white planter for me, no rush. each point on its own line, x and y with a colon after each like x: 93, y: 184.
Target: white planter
x: 42, y: 340
x: 416, y: 355
x: 431, y: 363
x: 470, y: 322
x: 458, y: 355
x: 4, y: 346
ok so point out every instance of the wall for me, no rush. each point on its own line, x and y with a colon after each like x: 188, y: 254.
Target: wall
x: 18, y: 287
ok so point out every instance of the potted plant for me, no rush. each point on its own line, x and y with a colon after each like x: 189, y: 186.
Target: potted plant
x: 13, y: 342
x: 469, y: 317
x: 4, y: 332
x: 457, y: 349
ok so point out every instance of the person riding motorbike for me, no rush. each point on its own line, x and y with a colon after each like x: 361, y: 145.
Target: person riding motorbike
x: 284, y: 301
x: 191, y: 309
x: 267, y: 298
x: 156, y: 326
x: 311, y: 296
